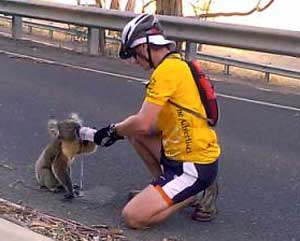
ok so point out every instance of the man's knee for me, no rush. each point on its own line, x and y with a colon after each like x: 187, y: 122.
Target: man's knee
x: 134, y: 220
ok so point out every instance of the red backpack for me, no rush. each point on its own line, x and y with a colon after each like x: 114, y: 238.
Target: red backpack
x: 207, y: 94
x: 206, y: 91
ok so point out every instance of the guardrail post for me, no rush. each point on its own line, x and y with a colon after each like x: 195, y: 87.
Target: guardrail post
x: 16, y: 27
x: 267, y: 77
x: 30, y: 29
x: 226, y: 69
x: 102, y: 40
x: 190, y: 50
x: 51, y: 34
x: 199, y: 49
x: 93, y: 41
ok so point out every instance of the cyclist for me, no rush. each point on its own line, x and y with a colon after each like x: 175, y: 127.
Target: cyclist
x: 180, y: 150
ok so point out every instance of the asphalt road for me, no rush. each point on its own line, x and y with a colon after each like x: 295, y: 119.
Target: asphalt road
x: 259, y: 173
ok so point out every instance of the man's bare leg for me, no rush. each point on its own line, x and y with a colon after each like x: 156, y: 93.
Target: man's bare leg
x: 148, y: 208
x: 148, y: 148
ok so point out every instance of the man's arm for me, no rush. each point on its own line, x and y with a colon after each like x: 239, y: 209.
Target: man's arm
x: 143, y: 123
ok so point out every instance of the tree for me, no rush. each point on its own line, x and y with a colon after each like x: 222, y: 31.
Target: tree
x: 169, y: 7
x: 145, y: 5
x: 174, y: 7
x: 130, y: 5
x: 115, y: 4
x: 256, y: 8
x: 98, y: 2
x: 203, y: 6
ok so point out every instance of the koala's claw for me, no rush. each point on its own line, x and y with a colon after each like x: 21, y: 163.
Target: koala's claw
x: 58, y: 189
x: 77, y: 192
x: 76, y: 186
x: 68, y: 196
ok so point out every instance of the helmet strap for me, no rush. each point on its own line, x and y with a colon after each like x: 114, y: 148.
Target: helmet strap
x: 149, y: 59
x: 149, y: 54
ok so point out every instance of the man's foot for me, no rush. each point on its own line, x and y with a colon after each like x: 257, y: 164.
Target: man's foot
x: 197, y: 200
x: 206, y: 208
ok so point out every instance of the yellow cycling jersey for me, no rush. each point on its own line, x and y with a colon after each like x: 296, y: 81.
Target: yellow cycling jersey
x: 185, y: 137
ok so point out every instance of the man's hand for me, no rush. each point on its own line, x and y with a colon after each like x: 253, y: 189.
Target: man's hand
x: 104, y: 137
x: 107, y: 136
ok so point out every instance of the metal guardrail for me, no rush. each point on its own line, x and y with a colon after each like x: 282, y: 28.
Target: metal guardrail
x: 274, y: 41
x: 50, y: 27
x: 226, y: 61
x: 267, y: 69
x: 192, y: 31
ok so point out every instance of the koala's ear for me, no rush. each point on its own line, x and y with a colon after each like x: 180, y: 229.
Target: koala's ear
x: 53, y: 128
x: 75, y: 117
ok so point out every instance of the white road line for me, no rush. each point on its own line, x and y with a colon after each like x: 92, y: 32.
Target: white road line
x: 260, y: 102
x: 47, y: 61
x: 139, y: 79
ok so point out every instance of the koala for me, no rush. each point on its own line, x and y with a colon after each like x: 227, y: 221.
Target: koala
x: 53, y: 167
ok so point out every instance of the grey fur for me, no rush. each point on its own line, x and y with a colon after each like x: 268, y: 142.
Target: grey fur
x: 53, y: 167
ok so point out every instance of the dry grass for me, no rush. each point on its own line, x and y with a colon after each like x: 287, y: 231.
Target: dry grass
x: 56, y: 228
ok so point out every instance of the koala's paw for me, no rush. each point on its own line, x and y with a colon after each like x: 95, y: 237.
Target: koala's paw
x: 69, y: 197
x: 78, y: 190
x: 76, y: 187
x: 58, y: 189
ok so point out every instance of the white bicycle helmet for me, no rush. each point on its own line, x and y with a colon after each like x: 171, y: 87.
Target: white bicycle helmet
x: 142, y: 29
